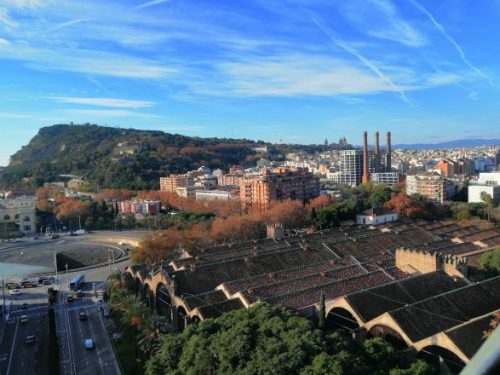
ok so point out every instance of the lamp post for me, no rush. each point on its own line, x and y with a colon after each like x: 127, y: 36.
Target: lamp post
x: 55, y: 266
x: 66, y: 266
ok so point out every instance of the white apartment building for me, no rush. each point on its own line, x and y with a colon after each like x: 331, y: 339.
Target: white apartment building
x: 351, y: 168
x: 388, y: 178
x: 488, y: 183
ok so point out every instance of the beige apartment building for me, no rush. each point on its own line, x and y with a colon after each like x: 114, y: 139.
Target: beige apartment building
x: 277, y: 185
x: 175, y: 181
x: 18, y: 214
x: 431, y: 186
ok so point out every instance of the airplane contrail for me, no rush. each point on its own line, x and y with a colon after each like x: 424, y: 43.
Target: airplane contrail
x: 451, y: 40
x: 364, y: 60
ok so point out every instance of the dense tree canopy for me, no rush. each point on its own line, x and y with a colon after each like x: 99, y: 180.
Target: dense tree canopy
x: 119, y: 158
x: 490, y: 261
x: 272, y: 340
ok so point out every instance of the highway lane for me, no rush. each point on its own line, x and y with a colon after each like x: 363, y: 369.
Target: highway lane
x: 32, y: 359
x: 74, y: 357
x: 87, y: 361
x: 17, y: 357
x: 7, y: 346
x: 66, y: 362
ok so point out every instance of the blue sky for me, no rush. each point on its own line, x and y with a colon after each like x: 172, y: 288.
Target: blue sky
x: 295, y: 70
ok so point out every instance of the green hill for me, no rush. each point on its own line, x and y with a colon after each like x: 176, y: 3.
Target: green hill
x: 119, y: 158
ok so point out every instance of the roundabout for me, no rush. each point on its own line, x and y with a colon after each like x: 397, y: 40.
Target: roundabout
x: 71, y: 253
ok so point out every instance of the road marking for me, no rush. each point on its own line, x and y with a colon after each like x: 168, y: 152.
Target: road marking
x: 95, y: 340
x: 12, y: 349
x: 71, y: 355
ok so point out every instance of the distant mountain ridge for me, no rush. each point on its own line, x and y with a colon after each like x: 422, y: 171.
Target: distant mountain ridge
x: 450, y: 144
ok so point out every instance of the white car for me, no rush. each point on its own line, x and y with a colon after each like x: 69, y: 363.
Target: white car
x: 89, y: 344
x: 61, y: 242
x: 120, y: 243
x: 14, y: 292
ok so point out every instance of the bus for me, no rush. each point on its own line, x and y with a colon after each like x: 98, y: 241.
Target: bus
x: 75, y: 283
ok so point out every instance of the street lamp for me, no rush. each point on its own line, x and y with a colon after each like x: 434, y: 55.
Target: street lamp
x: 66, y: 266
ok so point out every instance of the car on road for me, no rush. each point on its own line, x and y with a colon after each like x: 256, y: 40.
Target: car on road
x: 14, y: 292
x: 11, y: 285
x: 79, y: 293
x: 27, y: 284
x: 23, y: 319
x: 55, y: 236
x: 47, y: 282
x: 61, y: 242
x: 89, y: 344
x: 30, y: 340
x: 41, y: 279
x: 70, y: 298
x: 25, y: 306
x: 83, y: 315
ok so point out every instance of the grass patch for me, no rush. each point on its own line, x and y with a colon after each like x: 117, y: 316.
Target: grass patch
x: 125, y: 351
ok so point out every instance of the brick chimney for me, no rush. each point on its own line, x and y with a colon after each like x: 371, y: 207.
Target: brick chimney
x: 365, y: 178
x: 388, y: 165
x: 377, y: 153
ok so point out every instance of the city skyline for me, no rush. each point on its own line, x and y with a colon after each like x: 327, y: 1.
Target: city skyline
x: 298, y: 70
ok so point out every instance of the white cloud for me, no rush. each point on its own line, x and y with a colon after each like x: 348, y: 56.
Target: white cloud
x: 32, y: 4
x: 381, y: 19
x: 438, y: 79
x: 106, y: 102
x: 4, y: 42
x: 7, y: 22
x: 86, y: 61
x: 99, y: 115
x: 151, y: 3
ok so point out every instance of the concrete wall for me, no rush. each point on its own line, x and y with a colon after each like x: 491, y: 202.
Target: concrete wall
x: 411, y: 260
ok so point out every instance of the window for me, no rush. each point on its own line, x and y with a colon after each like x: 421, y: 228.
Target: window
x: 6, y: 217
x: 26, y: 218
x: 27, y: 228
x: 16, y: 217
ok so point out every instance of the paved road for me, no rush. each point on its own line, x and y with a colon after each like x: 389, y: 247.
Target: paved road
x: 72, y: 332
x: 18, y: 358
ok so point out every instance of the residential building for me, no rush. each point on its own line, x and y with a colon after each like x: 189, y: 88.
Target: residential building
x: 230, y: 179
x: 140, y: 207
x: 278, y: 184
x: 388, y: 178
x: 206, y: 181
x: 175, y: 181
x: 488, y: 183
x: 351, y: 168
x: 186, y: 192
x: 17, y: 214
x: 430, y: 185
x: 446, y: 168
x: 376, y: 216
x: 215, y: 194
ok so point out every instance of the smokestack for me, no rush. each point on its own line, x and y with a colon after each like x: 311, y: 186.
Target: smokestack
x: 388, y: 166
x: 377, y: 153
x: 365, y: 158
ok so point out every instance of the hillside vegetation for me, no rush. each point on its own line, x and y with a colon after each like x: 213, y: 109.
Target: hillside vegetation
x: 119, y: 158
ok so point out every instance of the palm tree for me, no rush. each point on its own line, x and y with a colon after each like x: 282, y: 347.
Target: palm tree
x: 488, y: 201
x: 149, y: 335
